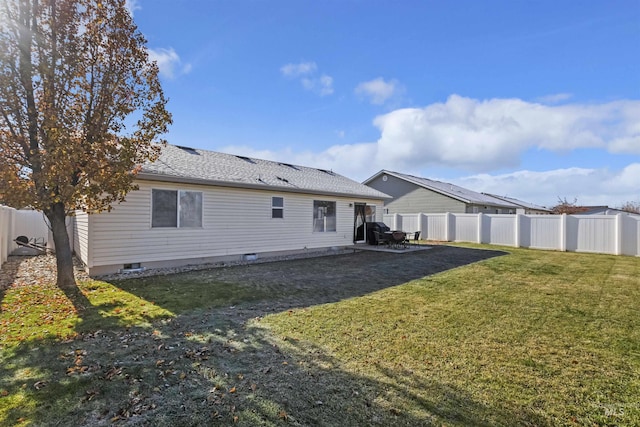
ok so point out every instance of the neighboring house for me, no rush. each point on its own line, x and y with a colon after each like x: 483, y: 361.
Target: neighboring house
x: 195, y: 206
x: 412, y: 194
x: 603, y: 210
x: 523, y: 207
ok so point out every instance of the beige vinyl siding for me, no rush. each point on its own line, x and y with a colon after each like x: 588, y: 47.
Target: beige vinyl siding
x: 81, y: 237
x: 411, y: 198
x: 426, y: 201
x: 235, y: 222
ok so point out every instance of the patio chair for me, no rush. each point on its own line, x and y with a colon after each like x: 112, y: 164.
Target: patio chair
x: 415, y: 239
x: 381, y: 238
x: 400, y: 239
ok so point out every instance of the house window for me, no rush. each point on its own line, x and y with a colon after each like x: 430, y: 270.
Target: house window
x: 324, y: 216
x: 277, y: 207
x: 172, y: 208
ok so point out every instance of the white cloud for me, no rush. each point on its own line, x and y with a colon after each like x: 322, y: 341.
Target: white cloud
x: 306, y: 72
x: 378, y: 91
x: 477, y: 135
x: 169, y: 62
x: 482, y: 136
x: 300, y: 69
x: 588, y: 186
x: 322, y: 85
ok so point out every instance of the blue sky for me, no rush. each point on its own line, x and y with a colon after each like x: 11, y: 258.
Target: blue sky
x: 537, y: 100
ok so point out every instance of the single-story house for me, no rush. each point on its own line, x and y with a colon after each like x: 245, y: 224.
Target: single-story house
x: 412, y: 194
x: 523, y: 207
x: 195, y: 206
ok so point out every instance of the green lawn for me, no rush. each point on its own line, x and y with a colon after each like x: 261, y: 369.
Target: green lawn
x: 528, y: 338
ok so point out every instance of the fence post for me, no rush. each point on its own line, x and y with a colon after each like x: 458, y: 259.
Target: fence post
x: 447, y: 227
x: 518, y: 232
x: 619, y: 234
x: 3, y: 237
x: 419, y: 219
x: 396, y: 217
x: 479, y: 237
x: 563, y: 232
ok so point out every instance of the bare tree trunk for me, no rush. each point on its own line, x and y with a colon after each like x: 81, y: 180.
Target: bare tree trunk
x: 64, y: 259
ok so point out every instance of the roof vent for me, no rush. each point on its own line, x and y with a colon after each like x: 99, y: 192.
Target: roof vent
x: 289, y: 166
x: 188, y: 150
x: 326, y: 171
x: 282, y: 179
x: 246, y: 159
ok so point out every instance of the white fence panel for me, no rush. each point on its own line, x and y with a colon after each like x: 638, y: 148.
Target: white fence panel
x: 591, y: 233
x: 30, y: 224
x: 499, y: 230
x: 14, y: 223
x: 410, y: 223
x: 609, y: 234
x: 434, y: 227
x: 466, y: 227
x: 630, y: 235
x: 545, y: 232
x: 6, y: 230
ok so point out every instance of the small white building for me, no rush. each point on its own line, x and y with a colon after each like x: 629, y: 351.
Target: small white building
x: 195, y: 206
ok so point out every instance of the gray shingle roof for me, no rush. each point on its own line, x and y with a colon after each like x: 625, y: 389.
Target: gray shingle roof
x: 451, y: 190
x: 184, y: 164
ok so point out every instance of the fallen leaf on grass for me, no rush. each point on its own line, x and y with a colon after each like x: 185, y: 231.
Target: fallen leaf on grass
x: 232, y: 390
x: 40, y: 384
x: 112, y: 373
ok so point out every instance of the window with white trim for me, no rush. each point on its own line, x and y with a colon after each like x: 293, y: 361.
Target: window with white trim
x: 176, y: 208
x: 277, y: 207
x: 324, y: 216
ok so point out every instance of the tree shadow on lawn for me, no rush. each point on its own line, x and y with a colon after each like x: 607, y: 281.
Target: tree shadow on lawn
x: 216, y: 367
x: 211, y: 369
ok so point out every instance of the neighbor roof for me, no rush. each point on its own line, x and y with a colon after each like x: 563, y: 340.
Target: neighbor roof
x: 193, y: 165
x: 521, y: 203
x: 447, y: 189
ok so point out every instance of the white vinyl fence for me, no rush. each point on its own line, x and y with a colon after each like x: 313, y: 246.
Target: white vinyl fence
x: 14, y: 223
x: 607, y: 234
